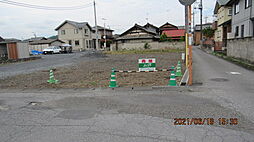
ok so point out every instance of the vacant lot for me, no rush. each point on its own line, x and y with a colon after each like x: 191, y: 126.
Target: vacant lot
x: 96, y: 73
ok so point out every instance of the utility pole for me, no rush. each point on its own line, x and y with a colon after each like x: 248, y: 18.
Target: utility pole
x: 190, y: 47
x: 96, y: 28
x: 206, y: 19
x: 188, y: 20
x: 193, y: 32
x: 105, y: 36
x: 201, y: 20
x: 187, y: 35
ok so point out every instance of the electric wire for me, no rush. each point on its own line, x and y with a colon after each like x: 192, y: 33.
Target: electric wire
x: 44, y: 7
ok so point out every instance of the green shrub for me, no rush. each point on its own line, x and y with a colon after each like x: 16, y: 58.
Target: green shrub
x: 163, y: 37
x: 147, y: 46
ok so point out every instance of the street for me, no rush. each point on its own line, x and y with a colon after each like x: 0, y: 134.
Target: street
x: 221, y: 90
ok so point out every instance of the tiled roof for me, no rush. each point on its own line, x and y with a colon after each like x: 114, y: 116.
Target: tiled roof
x: 142, y: 28
x: 174, y: 33
x: 102, y: 28
x: 48, y: 41
x: 75, y: 24
x: 223, y: 2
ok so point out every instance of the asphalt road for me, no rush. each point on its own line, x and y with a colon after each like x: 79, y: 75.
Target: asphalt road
x: 230, y: 84
x: 45, y: 63
x: 140, y: 115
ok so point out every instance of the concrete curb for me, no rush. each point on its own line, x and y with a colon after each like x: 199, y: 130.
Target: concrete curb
x: 185, y: 78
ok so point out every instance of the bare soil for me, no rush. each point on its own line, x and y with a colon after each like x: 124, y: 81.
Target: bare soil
x: 96, y: 73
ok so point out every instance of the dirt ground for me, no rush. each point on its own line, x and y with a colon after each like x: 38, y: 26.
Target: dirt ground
x: 96, y: 74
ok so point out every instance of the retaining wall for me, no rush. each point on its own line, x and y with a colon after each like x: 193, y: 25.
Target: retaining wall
x: 241, y: 48
x: 153, y: 45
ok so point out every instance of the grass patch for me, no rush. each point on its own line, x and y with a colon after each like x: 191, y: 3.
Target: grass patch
x: 241, y: 62
x: 157, y: 51
x: 93, y: 83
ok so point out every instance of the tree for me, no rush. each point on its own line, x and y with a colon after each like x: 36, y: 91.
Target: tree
x: 163, y: 37
x: 182, y: 39
x: 208, y: 32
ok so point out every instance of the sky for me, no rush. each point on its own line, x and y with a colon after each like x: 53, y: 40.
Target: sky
x: 120, y: 15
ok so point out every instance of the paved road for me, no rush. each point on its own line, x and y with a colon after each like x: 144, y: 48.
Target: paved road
x: 232, y: 85
x: 47, y: 62
x: 140, y: 115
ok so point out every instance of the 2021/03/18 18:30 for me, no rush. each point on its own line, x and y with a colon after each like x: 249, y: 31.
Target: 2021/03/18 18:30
x: 205, y: 121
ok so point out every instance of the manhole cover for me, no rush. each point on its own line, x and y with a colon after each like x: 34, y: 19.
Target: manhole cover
x: 219, y: 79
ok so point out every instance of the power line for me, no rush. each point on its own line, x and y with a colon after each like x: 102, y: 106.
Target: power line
x: 26, y: 5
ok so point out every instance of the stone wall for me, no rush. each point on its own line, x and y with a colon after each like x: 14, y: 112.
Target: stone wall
x: 241, y: 48
x: 153, y: 45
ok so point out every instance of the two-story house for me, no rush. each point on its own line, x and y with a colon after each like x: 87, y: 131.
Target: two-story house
x: 79, y: 35
x: 223, y: 15
x: 102, y: 31
x: 241, y: 41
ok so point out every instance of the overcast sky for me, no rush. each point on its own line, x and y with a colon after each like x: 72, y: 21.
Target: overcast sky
x: 22, y: 23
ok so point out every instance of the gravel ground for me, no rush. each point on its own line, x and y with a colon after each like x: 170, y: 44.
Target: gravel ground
x: 96, y: 73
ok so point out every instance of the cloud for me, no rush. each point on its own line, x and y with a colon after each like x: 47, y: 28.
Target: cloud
x: 120, y: 14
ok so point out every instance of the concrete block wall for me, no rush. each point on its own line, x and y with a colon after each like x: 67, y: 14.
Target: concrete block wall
x: 241, y: 48
x: 153, y: 45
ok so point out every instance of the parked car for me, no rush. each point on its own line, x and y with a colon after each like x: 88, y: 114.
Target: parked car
x: 35, y: 52
x: 52, y: 50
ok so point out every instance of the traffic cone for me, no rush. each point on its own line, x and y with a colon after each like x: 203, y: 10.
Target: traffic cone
x: 179, y: 71
x: 173, y: 68
x: 113, y: 83
x: 179, y: 63
x: 52, y: 78
x: 172, y: 81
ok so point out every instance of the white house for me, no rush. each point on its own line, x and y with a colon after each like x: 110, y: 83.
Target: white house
x: 78, y: 34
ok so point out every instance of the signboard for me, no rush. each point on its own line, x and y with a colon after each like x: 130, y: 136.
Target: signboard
x: 147, y: 64
x: 187, y: 2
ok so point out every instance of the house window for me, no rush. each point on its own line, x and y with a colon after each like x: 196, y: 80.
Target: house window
x: 70, y: 42
x: 76, y: 42
x: 242, y: 31
x: 63, y: 32
x: 75, y: 31
x: 237, y: 8
x: 86, y: 31
x: 248, y: 3
x: 230, y: 12
x: 236, y: 31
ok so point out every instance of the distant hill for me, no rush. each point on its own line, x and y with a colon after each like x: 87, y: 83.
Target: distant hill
x: 53, y: 37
